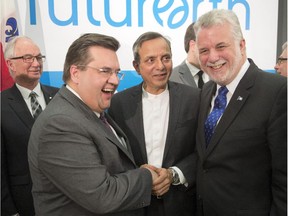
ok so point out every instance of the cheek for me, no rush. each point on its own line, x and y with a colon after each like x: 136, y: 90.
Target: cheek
x: 203, y: 59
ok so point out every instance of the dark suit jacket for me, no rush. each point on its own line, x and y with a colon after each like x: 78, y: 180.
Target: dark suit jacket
x: 16, y: 124
x: 78, y: 166
x: 126, y: 110
x: 182, y: 74
x: 243, y: 171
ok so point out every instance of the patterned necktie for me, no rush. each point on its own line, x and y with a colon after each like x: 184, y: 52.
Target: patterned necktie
x: 200, y: 79
x: 36, y: 107
x: 218, y: 109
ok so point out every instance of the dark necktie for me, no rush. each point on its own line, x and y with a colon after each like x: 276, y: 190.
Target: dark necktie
x: 200, y: 79
x: 218, y: 109
x: 35, y: 106
x: 104, y: 120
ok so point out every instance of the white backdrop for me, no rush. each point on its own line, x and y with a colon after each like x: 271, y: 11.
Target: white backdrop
x: 55, y: 24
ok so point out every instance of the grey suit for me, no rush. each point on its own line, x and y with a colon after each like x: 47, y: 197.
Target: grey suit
x: 78, y: 166
x: 16, y: 124
x: 182, y: 74
x: 126, y: 110
x: 243, y: 171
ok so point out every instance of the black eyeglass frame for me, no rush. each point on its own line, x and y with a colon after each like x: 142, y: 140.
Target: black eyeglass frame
x: 280, y: 60
x: 30, y: 58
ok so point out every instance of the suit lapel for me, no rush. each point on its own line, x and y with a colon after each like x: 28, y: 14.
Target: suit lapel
x: 47, y: 94
x: 90, y: 115
x: 121, y: 134
x: 17, y: 103
x: 206, y: 97
x: 137, y: 120
x: 186, y: 76
x: 236, y: 103
x: 174, y: 100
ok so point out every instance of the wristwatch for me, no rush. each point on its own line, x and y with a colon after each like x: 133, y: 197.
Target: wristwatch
x: 175, y: 176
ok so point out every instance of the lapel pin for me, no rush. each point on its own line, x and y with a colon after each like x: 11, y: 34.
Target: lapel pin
x: 50, y: 97
x: 239, y: 98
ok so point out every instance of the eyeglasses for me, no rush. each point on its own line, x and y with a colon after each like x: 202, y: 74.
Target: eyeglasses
x: 30, y: 58
x: 106, y: 71
x: 280, y: 60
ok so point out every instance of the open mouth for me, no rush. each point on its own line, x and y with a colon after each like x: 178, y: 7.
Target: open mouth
x: 108, y: 91
x: 161, y: 75
x: 217, y: 66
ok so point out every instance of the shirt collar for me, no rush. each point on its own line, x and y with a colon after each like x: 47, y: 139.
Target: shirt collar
x: 77, y: 95
x: 194, y: 70
x: 26, y: 92
x: 146, y: 94
x: 233, y: 85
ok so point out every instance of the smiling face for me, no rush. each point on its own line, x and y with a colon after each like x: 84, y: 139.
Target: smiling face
x: 220, y: 55
x: 24, y: 73
x: 96, y: 88
x: 155, y: 65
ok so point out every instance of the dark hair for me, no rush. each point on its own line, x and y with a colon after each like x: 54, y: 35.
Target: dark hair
x: 78, y: 53
x: 146, y: 37
x: 189, y: 35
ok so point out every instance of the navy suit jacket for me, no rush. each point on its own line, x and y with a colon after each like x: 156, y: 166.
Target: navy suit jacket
x: 126, y: 110
x: 243, y: 171
x: 16, y: 124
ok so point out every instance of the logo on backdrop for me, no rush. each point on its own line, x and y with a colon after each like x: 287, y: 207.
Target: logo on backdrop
x: 12, y: 29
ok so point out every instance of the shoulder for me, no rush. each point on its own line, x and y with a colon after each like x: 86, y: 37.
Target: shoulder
x: 134, y: 90
x: 183, y: 90
x: 49, y: 89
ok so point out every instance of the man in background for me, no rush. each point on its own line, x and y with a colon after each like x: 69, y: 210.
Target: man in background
x: 281, y: 65
x: 160, y: 118
x: 242, y: 127
x: 20, y: 106
x: 188, y: 72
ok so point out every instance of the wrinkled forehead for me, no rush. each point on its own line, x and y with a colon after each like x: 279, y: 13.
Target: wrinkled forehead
x: 25, y: 46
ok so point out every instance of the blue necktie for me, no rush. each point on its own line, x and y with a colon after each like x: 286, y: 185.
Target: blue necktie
x: 218, y: 109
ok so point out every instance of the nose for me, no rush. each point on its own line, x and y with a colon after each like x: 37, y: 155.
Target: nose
x: 213, y: 56
x: 35, y: 60
x: 113, y: 79
x: 276, y: 67
x: 159, y: 64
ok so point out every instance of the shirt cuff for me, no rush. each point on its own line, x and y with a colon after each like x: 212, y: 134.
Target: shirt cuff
x: 181, y: 176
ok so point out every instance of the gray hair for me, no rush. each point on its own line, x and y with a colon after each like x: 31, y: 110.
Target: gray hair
x: 10, y: 46
x: 284, y: 46
x: 146, y: 37
x: 220, y: 17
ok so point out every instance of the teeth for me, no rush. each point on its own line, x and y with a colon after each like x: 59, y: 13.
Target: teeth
x: 108, y: 90
x: 217, y: 66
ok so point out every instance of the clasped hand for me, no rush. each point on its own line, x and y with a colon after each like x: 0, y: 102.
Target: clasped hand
x: 161, y: 178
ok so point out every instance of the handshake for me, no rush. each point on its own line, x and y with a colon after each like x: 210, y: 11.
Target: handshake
x: 162, y: 179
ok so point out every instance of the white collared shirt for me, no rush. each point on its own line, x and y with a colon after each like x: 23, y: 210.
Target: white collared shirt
x: 233, y: 85
x: 26, y: 92
x: 155, y: 120
x: 194, y: 70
